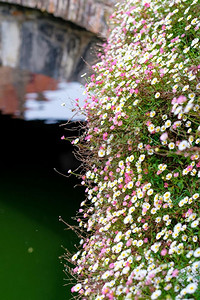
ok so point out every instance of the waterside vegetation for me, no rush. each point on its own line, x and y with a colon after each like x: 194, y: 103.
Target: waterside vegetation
x: 139, y: 224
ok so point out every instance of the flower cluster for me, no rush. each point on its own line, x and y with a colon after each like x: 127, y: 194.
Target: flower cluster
x: 140, y: 219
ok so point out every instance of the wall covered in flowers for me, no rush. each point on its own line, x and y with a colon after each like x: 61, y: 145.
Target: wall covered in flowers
x: 139, y: 223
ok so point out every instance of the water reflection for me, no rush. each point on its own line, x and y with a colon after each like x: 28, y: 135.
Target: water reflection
x: 38, y: 97
x: 33, y: 195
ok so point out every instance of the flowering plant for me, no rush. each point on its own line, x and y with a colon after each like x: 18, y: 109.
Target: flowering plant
x: 140, y: 220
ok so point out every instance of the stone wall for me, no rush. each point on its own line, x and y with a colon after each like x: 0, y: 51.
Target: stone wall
x: 89, y: 14
x: 34, y: 41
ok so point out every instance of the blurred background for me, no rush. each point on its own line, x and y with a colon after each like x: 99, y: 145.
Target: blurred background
x: 45, y: 47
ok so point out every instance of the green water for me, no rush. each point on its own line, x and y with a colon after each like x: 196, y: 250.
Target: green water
x: 32, y: 197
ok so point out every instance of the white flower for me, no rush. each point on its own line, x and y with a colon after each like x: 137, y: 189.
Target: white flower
x: 168, y: 176
x: 195, y: 224
x: 197, y: 252
x: 105, y: 275
x: 183, y: 145
x: 154, y: 80
x: 196, y: 265
x: 188, y: 107
x: 157, y: 95
x: 77, y: 287
x: 195, y: 41
x: 125, y: 270
x: 118, y: 237
x: 155, y: 248
x: 191, y: 95
x: 101, y: 153
x: 171, y: 145
x: 195, y: 196
x: 130, y: 185
x: 95, y: 267
x: 168, y: 123
x: 152, y: 114
x: 156, y: 294
x: 139, y: 243
x: 186, y: 87
x: 75, y: 256
x: 191, y: 288
x: 128, y: 219
x: 178, y: 110
x: 142, y: 157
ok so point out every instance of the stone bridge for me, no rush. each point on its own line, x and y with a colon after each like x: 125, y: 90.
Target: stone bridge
x: 52, y: 37
x: 89, y: 14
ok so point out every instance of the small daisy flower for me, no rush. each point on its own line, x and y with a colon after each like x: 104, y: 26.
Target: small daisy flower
x: 156, y: 294
x: 191, y: 288
x: 171, y: 146
x: 157, y: 95
x: 101, y: 153
x: 185, y: 88
x: 154, y: 81
x: 197, y: 252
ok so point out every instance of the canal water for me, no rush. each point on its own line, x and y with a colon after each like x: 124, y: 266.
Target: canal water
x: 32, y: 194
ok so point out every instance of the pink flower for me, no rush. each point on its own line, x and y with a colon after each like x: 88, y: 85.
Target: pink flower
x: 189, y: 212
x: 163, y: 252
x: 148, y: 147
x: 105, y: 290
x: 111, y: 266
x: 151, y: 275
x: 148, y: 123
x: 129, y: 282
x: 165, y: 184
x: 181, y: 99
x: 189, y: 168
x: 164, y: 136
x: 175, y: 273
x: 198, y: 165
x: 129, y: 242
x: 176, y: 174
x: 105, y: 136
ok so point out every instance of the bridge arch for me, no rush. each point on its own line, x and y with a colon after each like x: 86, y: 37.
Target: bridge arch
x: 38, y: 42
